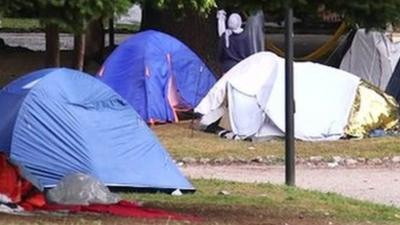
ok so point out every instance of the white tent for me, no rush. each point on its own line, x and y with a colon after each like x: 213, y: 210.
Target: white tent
x: 254, y: 89
x: 372, y: 56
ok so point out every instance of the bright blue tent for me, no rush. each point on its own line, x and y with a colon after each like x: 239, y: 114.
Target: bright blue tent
x: 158, y: 75
x: 60, y: 121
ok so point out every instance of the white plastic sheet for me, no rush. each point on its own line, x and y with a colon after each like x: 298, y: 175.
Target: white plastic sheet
x: 81, y: 189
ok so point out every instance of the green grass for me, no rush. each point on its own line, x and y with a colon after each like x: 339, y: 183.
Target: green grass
x: 278, y: 200
x: 245, y: 204
x: 28, y: 24
x: 20, y: 24
x: 182, y: 142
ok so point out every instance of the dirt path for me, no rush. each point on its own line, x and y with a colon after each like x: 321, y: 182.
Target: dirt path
x: 380, y: 185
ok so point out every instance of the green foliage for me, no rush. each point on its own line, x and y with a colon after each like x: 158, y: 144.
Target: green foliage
x: 75, y: 14
x: 367, y: 13
x: 202, y: 6
x: 8, y: 5
x: 70, y: 14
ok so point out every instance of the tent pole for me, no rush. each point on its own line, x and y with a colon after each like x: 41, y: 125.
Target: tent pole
x: 289, y: 99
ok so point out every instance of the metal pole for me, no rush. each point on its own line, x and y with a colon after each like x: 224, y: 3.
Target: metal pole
x: 289, y: 99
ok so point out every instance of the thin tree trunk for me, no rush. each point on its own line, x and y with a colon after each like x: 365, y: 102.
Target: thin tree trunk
x: 79, y: 51
x: 95, y: 42
x: 52, y: 45
x: 111, y: 33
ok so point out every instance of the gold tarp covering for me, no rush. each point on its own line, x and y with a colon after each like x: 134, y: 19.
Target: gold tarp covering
x: 372, y: 109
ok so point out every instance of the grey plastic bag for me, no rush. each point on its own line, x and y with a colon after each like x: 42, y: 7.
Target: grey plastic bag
x: 81, y: 189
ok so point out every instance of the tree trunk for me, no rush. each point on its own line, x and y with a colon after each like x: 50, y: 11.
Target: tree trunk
x: 52, y: 45
x: 79, y: 51
x: 95, y: 43
x: 111, y: 33
x: 196, y: 31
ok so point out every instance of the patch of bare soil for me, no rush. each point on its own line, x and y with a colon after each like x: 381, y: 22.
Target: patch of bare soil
x: 15, y: 62
x: 247, y: 214
x: 209, y: 214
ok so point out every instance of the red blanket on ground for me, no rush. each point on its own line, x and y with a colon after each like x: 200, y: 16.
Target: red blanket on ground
x: 22, y: 192
x: 122, y: 208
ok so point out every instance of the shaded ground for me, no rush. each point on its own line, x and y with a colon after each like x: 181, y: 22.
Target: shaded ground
x: 240, y: 203
x: 379, y: 185
x: 15, y: 64
x: 207, y: 214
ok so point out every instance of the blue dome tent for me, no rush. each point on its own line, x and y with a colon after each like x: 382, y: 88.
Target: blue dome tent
x: 59, y: 121
x: 158, y: 75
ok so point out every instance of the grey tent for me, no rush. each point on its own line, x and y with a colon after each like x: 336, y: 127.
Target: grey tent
x: 372, y: 56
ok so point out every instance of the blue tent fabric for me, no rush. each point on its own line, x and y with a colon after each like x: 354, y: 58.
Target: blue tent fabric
x: 158, y: 75
x: 65, y: 121
x: 11, y: 98
x: 393, y: 87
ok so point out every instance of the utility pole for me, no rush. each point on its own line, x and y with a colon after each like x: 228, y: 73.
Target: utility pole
x: 289, y: 99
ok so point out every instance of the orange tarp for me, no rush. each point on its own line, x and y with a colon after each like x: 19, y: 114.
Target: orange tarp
x: 16, y: 188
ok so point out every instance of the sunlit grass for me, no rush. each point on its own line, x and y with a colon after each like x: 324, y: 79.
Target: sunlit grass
x: 182, y: 141
x: 20, y: 23
x: 277, y: 200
